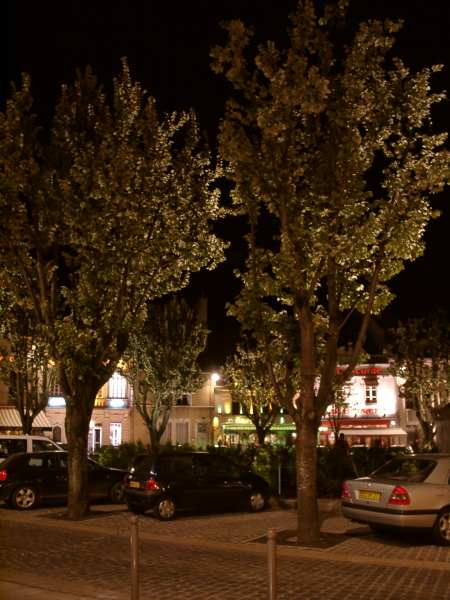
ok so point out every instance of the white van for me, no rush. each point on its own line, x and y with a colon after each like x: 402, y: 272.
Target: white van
x: 9, y: 444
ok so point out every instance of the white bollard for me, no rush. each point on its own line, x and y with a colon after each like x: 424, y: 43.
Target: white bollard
x: 134, y: 547
x: 272, y: 562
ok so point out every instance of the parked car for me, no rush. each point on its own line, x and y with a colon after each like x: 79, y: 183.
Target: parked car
x: 27, y: 479
x: 170, y: 482
x: 9, y: 444
x: 409, y: 491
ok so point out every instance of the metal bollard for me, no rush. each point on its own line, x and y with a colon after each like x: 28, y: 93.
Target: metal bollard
x: 134, y: 547
x: 272, y: 562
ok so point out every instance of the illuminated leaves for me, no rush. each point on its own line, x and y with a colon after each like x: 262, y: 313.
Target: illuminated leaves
x: 110, y: 208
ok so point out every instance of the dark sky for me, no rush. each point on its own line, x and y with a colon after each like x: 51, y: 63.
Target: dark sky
x: 167, y: 46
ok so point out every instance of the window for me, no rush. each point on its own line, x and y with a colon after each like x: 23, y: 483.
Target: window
x: 406, y: 469
x: 95, y: 438
x: 57, y: 433
x: 236, y: 408
x: 42, y: 446
x: 117, y: 387
x: 167, y: 435
x: 35, y: 461
x: 184, y: 400
x: 182, y: 432
x: 371, y: 394
x: 10, y: 446
x: 115, y: 434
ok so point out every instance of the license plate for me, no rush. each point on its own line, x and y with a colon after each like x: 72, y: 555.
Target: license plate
x: 134, y: 484
x: 369, y: 495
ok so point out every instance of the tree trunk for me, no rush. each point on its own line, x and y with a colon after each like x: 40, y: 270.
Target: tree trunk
x: 153, y: 436
x: 78, y: 415
x: 308, y: 527
x: 261, y: 435
x: 427, y: 430
x: 27, y: 423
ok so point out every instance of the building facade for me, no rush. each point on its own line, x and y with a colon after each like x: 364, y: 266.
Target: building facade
x: 373, y: 412
x: 115, y: 419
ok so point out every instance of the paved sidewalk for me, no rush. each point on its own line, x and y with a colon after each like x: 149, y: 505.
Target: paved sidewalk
x: 45, y: 557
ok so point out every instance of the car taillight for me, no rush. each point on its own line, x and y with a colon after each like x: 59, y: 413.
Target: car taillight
x: 399, y: 496
x: 151, y: 484
x: 345, y: 493
x: 3, y: 475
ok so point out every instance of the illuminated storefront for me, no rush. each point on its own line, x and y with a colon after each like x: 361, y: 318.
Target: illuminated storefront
x: 373, y: 412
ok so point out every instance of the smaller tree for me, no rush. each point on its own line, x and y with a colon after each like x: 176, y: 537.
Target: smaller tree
x: 161, y: 362
x: 25, y: 366
x: 421, y: 352
x: 251, y: 386
x: 337, y: 410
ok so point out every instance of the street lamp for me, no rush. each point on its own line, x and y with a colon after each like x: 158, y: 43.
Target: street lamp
x: 214, y: 378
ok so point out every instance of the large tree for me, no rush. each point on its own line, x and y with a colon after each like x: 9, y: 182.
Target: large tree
x: 421, y: 353
x: 105, y: 210
x: 329, y: 147
x: 161, y: 362
x: 25, y: 366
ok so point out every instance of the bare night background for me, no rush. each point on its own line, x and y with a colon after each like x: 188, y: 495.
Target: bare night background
x: 167, y: 46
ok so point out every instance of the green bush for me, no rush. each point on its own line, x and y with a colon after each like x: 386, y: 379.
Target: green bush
x: 119, y: 457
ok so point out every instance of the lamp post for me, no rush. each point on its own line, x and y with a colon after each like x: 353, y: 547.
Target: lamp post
x: 214, y: 378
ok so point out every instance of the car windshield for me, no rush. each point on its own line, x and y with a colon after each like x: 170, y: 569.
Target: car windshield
x: 406, y: 469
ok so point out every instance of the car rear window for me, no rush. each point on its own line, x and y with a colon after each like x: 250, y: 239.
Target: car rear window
x: 175, y: 466
x: 11, y: 446
x: 43, y: 446
x: 406, y: 469
x: 143, y: 462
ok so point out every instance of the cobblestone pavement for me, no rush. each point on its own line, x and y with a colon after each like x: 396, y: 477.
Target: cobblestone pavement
x: 208, y: 557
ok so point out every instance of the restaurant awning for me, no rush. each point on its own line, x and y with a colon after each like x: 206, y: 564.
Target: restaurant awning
x: 380, y: 431
x: 237, y: 427
x: 9, y: 417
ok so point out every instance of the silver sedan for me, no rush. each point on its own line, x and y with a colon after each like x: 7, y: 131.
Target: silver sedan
x: 410, y: 491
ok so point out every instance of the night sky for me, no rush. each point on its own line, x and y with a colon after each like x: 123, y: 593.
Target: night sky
x: 167, y: 46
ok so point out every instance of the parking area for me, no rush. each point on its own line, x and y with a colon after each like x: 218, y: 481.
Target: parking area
x: 211, y: 556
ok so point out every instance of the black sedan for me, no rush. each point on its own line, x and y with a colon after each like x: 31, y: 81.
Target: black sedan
x: 27, y: 479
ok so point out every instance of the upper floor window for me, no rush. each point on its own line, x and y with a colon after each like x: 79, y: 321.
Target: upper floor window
x: 184, y: 400
x: 236, y: 408
x: 371, y: 394
x: 117, y: 387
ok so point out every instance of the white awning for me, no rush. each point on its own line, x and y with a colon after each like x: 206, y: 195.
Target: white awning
x: 9, y: 417
x: 381, y: 431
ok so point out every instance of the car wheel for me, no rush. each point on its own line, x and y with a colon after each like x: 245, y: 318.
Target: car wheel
x: 24, y: 497
x: 137, y: 509
x: 256, y: 501
x: 117, y: 493
x: 441, y: 529
x: 165, y: 509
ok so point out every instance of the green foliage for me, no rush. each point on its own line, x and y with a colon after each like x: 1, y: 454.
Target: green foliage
x: 108, y: 209
x: 161, y: 361
x: 24, y: 361
x: 335, y: 144
x: 251, y: 386
x: 119, y: 457
x: 421, y: 353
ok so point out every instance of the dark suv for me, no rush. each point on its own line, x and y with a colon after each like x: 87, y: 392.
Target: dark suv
x: 192, y: 480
